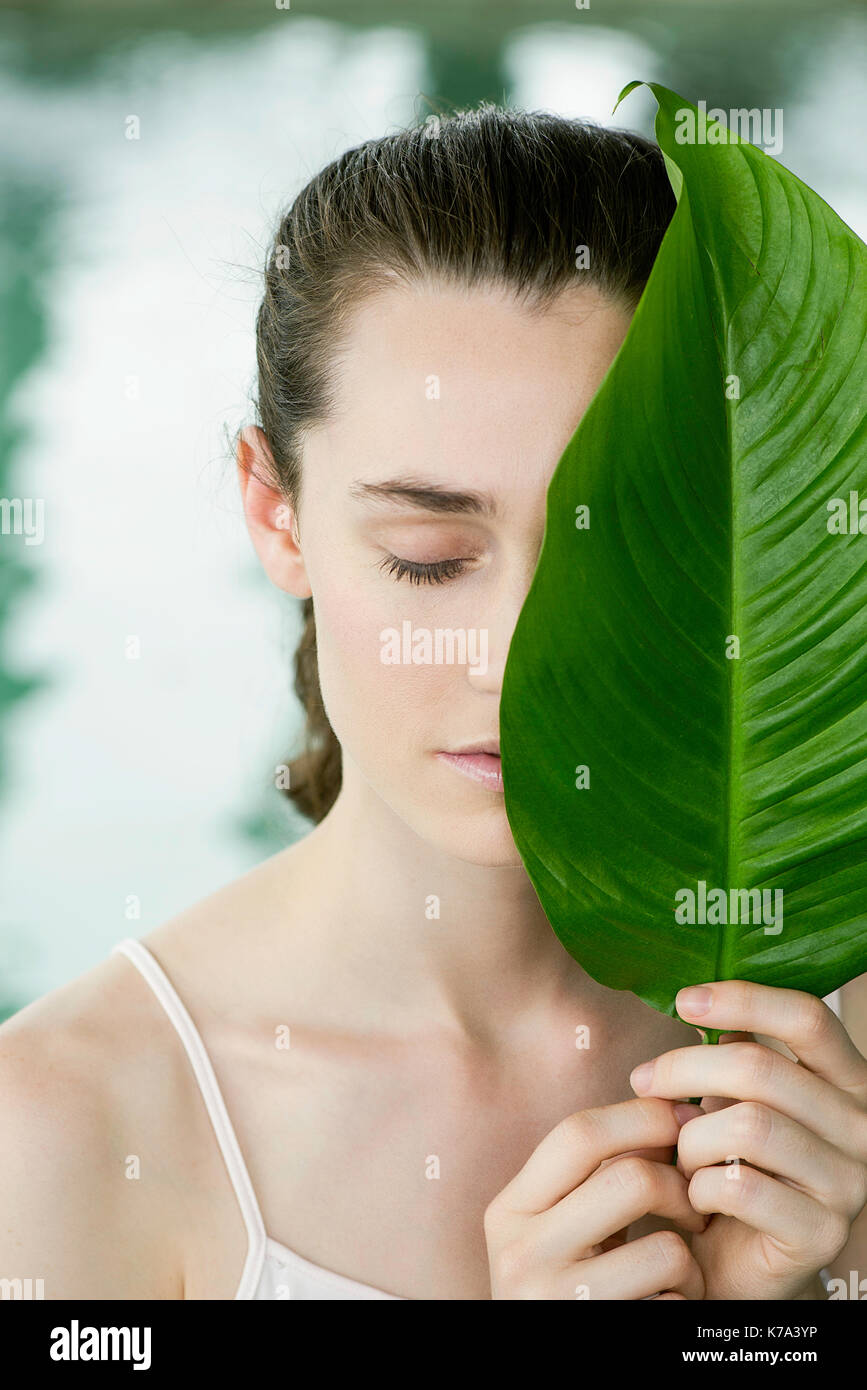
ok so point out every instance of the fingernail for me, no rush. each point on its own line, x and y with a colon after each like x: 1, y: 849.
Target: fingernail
x: 694, y: 1001
x: 640, y: 1078
x: 686, y: 1112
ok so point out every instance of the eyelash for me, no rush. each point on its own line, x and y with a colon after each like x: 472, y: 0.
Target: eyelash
x: 435, y: 573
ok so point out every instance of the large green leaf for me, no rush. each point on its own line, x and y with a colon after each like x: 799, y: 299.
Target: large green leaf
x: 730, y: 419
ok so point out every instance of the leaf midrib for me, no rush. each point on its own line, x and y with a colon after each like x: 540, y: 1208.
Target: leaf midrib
x: 735, y: 685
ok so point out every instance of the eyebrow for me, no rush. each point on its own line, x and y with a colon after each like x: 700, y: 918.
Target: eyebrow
x: 426, y: 495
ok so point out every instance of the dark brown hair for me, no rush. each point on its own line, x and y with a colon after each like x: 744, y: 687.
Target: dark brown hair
x: 489, y: 195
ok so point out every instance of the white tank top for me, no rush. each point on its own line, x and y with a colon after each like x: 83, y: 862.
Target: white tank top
x: 271, y: 1270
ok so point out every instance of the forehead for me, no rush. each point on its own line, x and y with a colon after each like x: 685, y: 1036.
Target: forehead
x: 465, y: 383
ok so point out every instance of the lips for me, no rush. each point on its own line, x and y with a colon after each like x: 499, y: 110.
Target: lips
x: 477, y: 764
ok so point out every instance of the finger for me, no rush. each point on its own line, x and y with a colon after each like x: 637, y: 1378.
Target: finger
x: 754, y: 1133
x: 660, y: 1154
x: 658, y: 1263
x: 804, y: 1023
x: 613, y: 1197
x: 711, y: 1103
x: 613, y: 1241
x: 578, y: 1144
x: 751, y: 1071
x: 797, y: 1224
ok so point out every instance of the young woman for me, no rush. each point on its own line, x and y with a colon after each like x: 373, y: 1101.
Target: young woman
x: 311, y: 1084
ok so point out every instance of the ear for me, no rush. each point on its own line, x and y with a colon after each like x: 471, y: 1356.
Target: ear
x: 271, y: 520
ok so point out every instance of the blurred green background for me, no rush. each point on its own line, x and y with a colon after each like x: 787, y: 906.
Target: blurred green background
x: 131, y: 785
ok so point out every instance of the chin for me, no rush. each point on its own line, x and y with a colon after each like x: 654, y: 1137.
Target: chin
x: 483, y: 838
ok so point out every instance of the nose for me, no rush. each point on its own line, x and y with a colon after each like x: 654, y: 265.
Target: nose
x: 493, y: 641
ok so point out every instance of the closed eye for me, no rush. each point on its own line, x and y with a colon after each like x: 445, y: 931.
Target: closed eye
x: 436, y: 572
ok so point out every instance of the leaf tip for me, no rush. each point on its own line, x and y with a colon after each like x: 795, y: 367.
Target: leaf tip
x: 630, y: 87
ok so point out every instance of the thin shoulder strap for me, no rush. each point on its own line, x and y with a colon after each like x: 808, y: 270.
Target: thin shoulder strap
x: 189, y: 1035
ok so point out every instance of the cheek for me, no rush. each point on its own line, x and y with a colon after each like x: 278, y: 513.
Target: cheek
x: 370, y: 702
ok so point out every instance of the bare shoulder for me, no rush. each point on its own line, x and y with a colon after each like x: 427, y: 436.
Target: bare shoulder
x: 86, y: 1204
x: 219, y: 950
x: 113, y: 1183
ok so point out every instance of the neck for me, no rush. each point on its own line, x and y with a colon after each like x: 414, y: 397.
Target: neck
x: 422, y: 937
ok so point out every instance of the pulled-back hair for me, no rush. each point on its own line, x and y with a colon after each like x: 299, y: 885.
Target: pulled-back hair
x: 491, y: 196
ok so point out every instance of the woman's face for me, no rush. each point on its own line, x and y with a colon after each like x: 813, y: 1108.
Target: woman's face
x: 469, y: 396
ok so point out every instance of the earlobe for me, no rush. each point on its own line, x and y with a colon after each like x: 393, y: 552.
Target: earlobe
x: 271, y: 519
